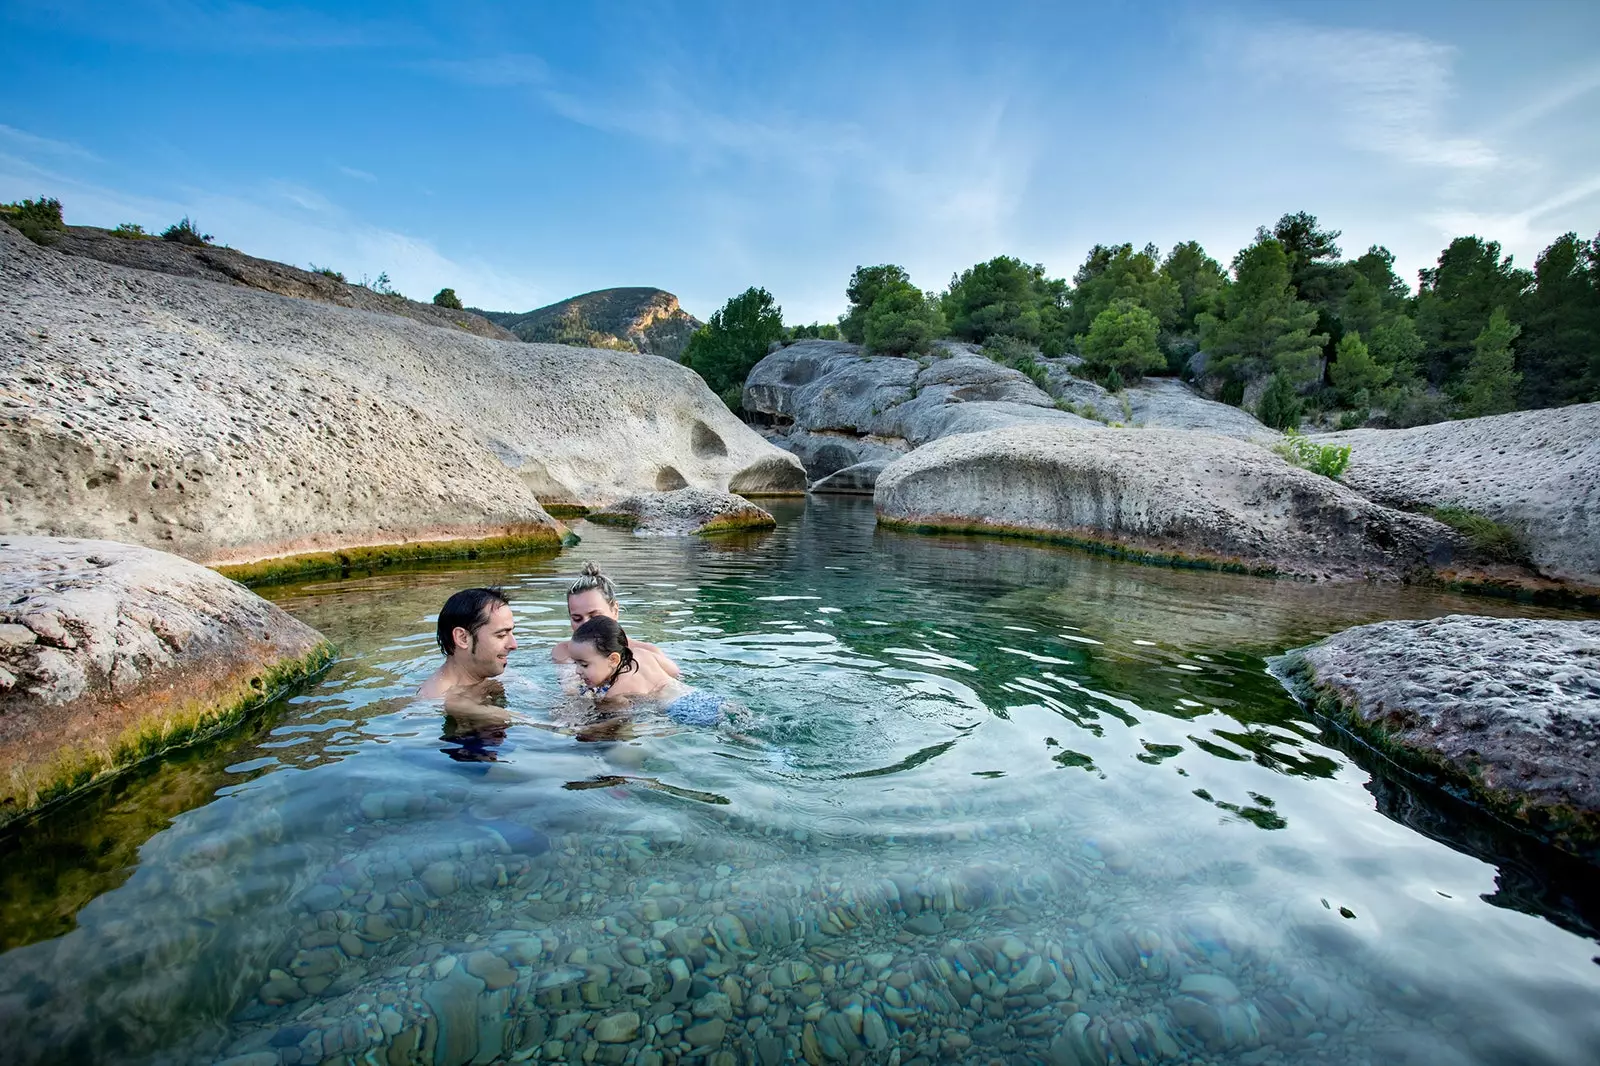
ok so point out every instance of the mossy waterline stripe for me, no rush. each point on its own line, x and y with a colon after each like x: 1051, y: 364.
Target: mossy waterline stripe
x: 80, y: 766
x: 1561, y: 825
x: 378, y: 556
x: 1092, y: 545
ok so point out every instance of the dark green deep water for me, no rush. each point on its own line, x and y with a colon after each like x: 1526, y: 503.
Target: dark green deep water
x: 986, y: 801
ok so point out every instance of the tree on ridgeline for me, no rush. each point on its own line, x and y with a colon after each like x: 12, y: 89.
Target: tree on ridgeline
x: 1559, y: 350
x: 1489, y: 385
x: 1120, y: 273
x: 1007, y: 297
x: 447, y: 298
x: 1122, y: 341
x: 736, y: 339
x: 1456, y: 300
x: 1198, y: 279
x: 903, y: 320
x: 866, y: 285
x: 1357, y: 376
x: 1263, y: 328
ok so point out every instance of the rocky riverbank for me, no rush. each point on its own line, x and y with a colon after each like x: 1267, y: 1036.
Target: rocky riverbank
x: 110, y: 654
x: 686, y: 512
x: 1506, y: 710
x: 231, y: 425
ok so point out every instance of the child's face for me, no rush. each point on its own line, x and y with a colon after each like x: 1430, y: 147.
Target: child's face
x: 593, y: 667
x: 590, y: 603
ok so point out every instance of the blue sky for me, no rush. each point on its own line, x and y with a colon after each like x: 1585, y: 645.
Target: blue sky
x: 522, y: 153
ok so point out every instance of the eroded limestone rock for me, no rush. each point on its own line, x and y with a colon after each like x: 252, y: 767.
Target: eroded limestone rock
x: 1161, y: 495
x: 685, y: 512
x: 227, y: 424
x: 1537, y: 471
x: 1508, y: 707
x: 110, y: 653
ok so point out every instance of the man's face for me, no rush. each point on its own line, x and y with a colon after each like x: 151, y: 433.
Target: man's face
x: 488, y: 647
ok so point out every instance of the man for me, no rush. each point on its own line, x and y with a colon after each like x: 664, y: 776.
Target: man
x: 475, y: 635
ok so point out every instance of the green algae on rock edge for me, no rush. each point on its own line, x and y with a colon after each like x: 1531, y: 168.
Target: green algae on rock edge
x: 77, y: 767
x: 380, y: 556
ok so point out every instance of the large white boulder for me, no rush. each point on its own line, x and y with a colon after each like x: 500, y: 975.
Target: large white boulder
x: 1158, y: 495
x: 227, y: 424
x: 110, y: 653
x: 1536, y: 471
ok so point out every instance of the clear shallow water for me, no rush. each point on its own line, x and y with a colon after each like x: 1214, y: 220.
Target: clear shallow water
x: 988, y: 802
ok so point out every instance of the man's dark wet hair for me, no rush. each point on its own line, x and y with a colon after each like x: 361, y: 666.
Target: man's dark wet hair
x: 469, y: 609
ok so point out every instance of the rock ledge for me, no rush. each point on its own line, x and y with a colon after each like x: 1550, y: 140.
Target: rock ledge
x: 685, y: 512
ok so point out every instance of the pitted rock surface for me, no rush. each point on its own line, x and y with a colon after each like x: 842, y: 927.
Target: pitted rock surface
x: 1509, y: 705
x: 225, y: 424
x: 685, y: 512
x: 97, y: 638
x: 1165, y: 493
x: 1537, y: 471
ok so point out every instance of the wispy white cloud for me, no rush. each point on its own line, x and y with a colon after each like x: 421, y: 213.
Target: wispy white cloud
x: 1388, y: 92
x: 1548, y: 102
x: 1515, y: 229
x: 359, y: 175
x: 24, y: 141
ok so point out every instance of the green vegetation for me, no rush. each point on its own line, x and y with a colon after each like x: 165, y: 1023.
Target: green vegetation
x: 1356, y: 374
x: 380, y: 285
x: 889, y: 314
x: 184, y: 231
x: 327, y: 272
x: 1122, y: 340
x: 823, y: 331
x: 38, y: 220
x: 1329, y: 460
x: 1489, y: 386
x: 737, y: 337
x: 132, y: 231
x: 1280, y: 405
x: 1019, y: 355
x: 1486, y: 536
x: 1263, y: 328
x: 447, y: 298
x: 1006, y: 297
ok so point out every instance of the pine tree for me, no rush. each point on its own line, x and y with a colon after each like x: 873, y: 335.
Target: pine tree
x: 1264, y: 329
x: 1489, y: 386
x: 1356, y: 375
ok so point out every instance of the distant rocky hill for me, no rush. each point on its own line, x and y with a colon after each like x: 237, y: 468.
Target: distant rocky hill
x: 210, y: 263
x: 632, y: 319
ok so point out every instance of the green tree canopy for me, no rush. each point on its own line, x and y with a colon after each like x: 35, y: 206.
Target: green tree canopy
x: 736, y: 339
x: 1198, y: 279
x: 1357, y: 376
x: 1395, y: 343
x: 447, y: 298
x: 866, y: 285
x: 1280, y: 405
x: 1122, y: 339
x: 1559, y: 350
x: 903, y: 319
x: 1457, y: 298
x: 1263, y: 329
x: 1120, y: 273
x: 1006, y: 296
x: 1489, y: 385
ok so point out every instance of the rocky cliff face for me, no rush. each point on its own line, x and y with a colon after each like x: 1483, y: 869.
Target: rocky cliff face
x: 648, y: 320
x: 230, y: 267
x: 227, y: 424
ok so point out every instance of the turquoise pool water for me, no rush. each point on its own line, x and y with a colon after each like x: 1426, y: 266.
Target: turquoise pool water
x: 983, y: 802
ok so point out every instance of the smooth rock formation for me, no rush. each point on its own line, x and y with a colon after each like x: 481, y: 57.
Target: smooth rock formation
x: 231, y: 267
x: 227, y: 424
x: 110, y: 653
x: 834, y: 405
x: 1159, y: 495
x: 685, y: 512
x: 1536, y: 471
x: 858, y: 480
x: 1507, y: 707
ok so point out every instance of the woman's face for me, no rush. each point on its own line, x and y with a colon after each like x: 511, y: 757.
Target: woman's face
x: 590, y: 603
x: 593, y: 667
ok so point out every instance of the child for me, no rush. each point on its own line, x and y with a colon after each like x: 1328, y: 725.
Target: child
x: 608, y: 669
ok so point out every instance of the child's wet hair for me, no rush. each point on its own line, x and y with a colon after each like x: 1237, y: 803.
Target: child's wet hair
x: 605, y: 636
x: 591, y: 578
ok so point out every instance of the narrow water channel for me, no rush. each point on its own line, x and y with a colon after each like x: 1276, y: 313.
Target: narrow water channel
x: 979, y: 801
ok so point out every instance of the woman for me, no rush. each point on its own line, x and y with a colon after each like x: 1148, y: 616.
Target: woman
x: 594, y: 596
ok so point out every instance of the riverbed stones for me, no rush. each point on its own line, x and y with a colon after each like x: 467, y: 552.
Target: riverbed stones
x: 685, y: 512
x: 1507, y: 707
x: 1157, y: 495
x: 227, y: 424
x: 115, y: 652
x: 617, y: 1028
x: 1536, y: 471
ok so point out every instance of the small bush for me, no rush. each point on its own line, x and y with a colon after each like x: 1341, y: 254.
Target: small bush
x: 132, y: 231
x: 38, y: 220
x: 447, y: 298
x: 380, y: 285
x: 1329, y: 460
x: 327, y: 272
x: 1353, y: 419
x: 1113, y: 381
x: 1280, y: 405
x: 1494, y: 539
x: 733, y: 396
x: 184, y: 231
